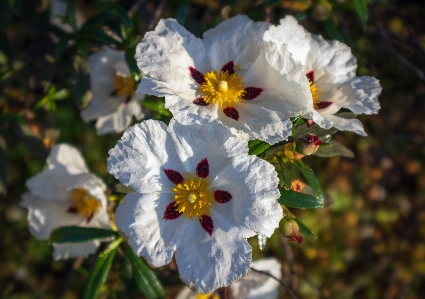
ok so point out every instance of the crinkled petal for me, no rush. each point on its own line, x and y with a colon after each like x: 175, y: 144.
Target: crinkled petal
x: 140, y: 219
x: 141, y: 155
x: 209, y: 262
x: 166, y: 53
x: 259, y: 285
x: 213, y: 141
x: 45, y: 185
x: 73, y: 250
x: 120, y: 119
x: 69, y: 156
x: 236, y: 39
x: 44, y: 216
x: 343, y: 124
x: 253, y: 184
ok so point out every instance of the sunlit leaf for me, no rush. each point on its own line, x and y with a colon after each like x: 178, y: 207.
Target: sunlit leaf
x: 286, y: 174
x: 293, y: 199
x: 304, y: 229
x: 312, y: 180
x: 157, y: 106
x: 145, y: 278
x: 78, y: 234
x: 257, y: 147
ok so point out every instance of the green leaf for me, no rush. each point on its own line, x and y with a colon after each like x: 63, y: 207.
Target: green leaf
x: 122, y: 189
x: 157, y: 106
x: 286, y: 174
x: 331, y: 28
x: 70, y: 14
x: 360, y: 6
x: 269, y: 3
x: 132, y: 65
x: 100, y: 270
x: 304, y: 229
x: 257, y: 147
x: 146, y: 280
x: 123, y: 16
x: 293, y: 199
x: 81, y: 81
x: 335, y: 149
x: 312, y: 180
x: 3, y: 166
x: 78, y: 234
x: 61, y: 46
x: 99, y: 35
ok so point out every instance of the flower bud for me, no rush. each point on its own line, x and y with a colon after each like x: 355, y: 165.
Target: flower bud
x: 291, y: 230
x: 307, y: 144
x: 290, y: 152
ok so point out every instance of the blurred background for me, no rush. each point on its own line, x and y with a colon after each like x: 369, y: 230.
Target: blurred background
x: 370, y: 236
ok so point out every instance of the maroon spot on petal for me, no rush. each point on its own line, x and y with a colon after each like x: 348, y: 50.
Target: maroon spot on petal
x: 113, y: 93
x: 310, y: 76
x: 127, y: 99
x: 221, y: 196
x: 231, y: 112
x: 171, y: 213
x: 196, y: 75
x: 203, y: 168
x: 174, y: 176
x: 207, y: 223
x: 229, y: 67
x: 89, y: 218
x: 323, y: 105
x: 251, y: 93
x: 200, y: 102
x: 72, y: 210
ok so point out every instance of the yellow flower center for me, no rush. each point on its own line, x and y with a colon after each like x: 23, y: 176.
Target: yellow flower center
x: 314, y: 93
x: 123, y: 86
x: 193, y: 197
x: 222, y: 88
x: 84, y: 204
x: 207, y: 296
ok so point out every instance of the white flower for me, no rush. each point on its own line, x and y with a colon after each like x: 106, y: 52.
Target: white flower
x: 224, y: 76
x: 255, y: 285
x: 65, y: 193
x: 331, y: 71
x: 198, y: 194
x: 114, y: 101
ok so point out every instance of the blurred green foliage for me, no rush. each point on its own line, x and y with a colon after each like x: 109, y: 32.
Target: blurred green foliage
x: 371, y: 233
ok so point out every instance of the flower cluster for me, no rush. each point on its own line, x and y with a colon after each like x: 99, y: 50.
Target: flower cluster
x: 199, y: 188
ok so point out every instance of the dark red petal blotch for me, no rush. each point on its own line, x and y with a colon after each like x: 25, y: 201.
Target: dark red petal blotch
x: 207, y: 223
x: 203, y: 168
x: 174, y: 176
x: 170, y: 212
x: 323, y: 105
x: 251, y: 93
x: 196, y: 75
x: 310, y: 75
x: 231, y: 112
x: 200, y: 102
x: 221, y: 196
x: 229, y: 67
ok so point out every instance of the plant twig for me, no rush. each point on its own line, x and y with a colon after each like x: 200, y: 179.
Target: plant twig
x: 156, y: 15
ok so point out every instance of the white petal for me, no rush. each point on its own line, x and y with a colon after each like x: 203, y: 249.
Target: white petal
x: 360, y: 95
x: 140, y: 219
x: 213, y: 141
x: 44, y: 216
x: 141, y: 155
x: 258, y: 285
x: 343, y: 124
x: 120, y: 119
x: 208, y: 262
x: 289, y: 32
x: 237, y: 39
x: 252, y: 182
x: 73, y: 250
x: 166, y: 53
x: 67, y: 155
x: 46, y: 186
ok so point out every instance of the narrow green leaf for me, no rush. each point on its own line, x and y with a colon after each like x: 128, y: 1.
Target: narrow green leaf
x: 100, y: 271
x: 293, y: 199
x: 78, y: 234
x: 360, y: 6
x: 257, y: 147
x: 61, y: 46
x: 331, y: 28
x: 81, y: 81
x: 335, y: 149
x: 144, y: 276
x: 304, y: 229
x: 70, y: 14
x: 312, y: 180
x: 286, y: 174
x: 157, y: 106
x: 123, y: 16
x: 132, y: 64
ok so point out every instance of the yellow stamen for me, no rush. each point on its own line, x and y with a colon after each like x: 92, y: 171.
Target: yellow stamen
x: 207, y: 296
x: 123, y: 86
x: 222, y: 88
x: 193, y: 197
x: 314, y: 93
x: 84, y: 204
